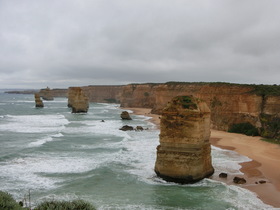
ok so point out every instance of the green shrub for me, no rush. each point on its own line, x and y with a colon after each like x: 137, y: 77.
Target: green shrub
x: 65, y: 205
x: 244, y: 128
x: 7, y: 202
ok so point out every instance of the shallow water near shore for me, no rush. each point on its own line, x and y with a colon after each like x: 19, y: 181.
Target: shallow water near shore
x: 59, y: 155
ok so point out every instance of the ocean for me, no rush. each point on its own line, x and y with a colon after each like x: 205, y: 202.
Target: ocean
x: 54, y: 154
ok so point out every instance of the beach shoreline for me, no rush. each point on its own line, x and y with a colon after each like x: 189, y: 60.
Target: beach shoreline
x: 264, y: 164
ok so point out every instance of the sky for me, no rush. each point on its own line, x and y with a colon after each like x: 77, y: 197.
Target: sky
x: 62, y: 43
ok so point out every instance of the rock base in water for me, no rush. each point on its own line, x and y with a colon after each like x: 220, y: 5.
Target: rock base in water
x: 184, y: 153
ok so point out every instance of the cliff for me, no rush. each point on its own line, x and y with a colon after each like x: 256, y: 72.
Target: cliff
x: 230, y: 104
x: 184, y: 153
x: 50, y: 94
x: 103, y: 93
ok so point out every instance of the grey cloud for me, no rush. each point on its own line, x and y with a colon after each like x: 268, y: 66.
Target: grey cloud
x: 66, y: 43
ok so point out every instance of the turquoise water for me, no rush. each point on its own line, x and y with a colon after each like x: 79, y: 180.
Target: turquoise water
x: 59, y: 155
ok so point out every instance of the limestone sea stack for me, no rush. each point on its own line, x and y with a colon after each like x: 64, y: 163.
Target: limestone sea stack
x: 38, y: 101
x: 184, y: 153
x: 79, y: 101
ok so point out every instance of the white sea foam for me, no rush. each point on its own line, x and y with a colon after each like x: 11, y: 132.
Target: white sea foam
x: 227, y: 160
x: 34, y: 123
x: 29, y: 172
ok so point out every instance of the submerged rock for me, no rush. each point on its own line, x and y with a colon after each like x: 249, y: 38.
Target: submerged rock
x: 184, y: 153
x: 127, y: 128
x: 38, y: 101
x: 139, y: 128
x: 223, y: 175
x: 125, y: 115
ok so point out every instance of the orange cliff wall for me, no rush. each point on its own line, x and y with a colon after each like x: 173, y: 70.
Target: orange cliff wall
x: 103, y: 93
x: 229, y: 103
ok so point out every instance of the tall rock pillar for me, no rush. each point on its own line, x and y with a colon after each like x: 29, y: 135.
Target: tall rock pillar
x: 184, y: 153
x: 77, y: 100
x: 38, y: 101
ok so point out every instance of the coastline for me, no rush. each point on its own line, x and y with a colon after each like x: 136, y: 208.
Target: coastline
x: 264, y: 164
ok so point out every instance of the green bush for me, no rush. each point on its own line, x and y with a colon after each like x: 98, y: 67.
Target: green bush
x: 244, y: 128
x: 7, y: 202
x: 65, y: 205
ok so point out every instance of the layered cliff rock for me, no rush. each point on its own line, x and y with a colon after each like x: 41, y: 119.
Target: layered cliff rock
x: 49, y: 94
x: 230, y: 104
x: 103, y: 93
x: 77, y: 100
x: 184, y: 153
x: 38, y: 101
x: 46, y: 94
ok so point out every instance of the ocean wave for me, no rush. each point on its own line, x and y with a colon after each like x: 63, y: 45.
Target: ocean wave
x: 34, y: 123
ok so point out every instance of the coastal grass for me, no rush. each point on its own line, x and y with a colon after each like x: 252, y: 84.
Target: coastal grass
x: 244, y: 128
x: 7, y: 202
x: 273, y: 141
x: 65, y: 205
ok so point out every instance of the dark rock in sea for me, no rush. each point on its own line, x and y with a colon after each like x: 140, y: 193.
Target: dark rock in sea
x: 139, y: 128
x: 102, y: 120
x: 127, y: 128
x: 262, y: 181
x: 239, y: 180
x: 125, y: 115
x: 223, y: 175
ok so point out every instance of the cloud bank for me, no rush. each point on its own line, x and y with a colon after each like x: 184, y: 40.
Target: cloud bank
x: 96, y: 42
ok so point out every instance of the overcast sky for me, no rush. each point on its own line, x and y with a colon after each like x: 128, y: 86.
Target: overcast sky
x: 61, y: 43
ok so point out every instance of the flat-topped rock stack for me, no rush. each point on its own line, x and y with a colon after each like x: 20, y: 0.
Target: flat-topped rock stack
x: 77, y: 100
x: 184, y: 153
x: 38, y: 101
x: 46, y: 94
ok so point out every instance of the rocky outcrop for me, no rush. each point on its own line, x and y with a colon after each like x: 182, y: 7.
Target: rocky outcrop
x: 239, y: 180
x: 126, y: 128
x: 77, y: 100
x: 38, y: 101
x: 125, y: 116
x: 184, y: 153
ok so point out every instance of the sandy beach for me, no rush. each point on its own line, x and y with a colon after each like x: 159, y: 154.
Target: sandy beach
x: 263, y: 167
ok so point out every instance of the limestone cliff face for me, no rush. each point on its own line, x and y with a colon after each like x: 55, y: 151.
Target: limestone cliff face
x: 46, y: 94
x: 103, y: 93
x: 77, y: 100
x: 184, y: 153
x: 229, y: 103
x: 38, y: 101
x: 49, y: 94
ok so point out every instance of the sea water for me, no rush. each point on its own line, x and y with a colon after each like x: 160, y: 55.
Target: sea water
x: 54, y: 154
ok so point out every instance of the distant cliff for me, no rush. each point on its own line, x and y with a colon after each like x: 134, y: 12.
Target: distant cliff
x: 230, y: 104
x: 49, y: 94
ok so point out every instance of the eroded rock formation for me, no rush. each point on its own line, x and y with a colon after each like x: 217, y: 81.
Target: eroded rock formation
x: 77, y: 100
x: 125, y: 116
x: 46, y: 94
x: 184, y: 153
x: 38, y: 101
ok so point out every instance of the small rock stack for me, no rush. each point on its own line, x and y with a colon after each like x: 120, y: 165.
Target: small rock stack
x: 184, y: 153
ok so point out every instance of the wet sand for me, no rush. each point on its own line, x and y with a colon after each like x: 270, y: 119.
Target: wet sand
x: 265, y: 164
